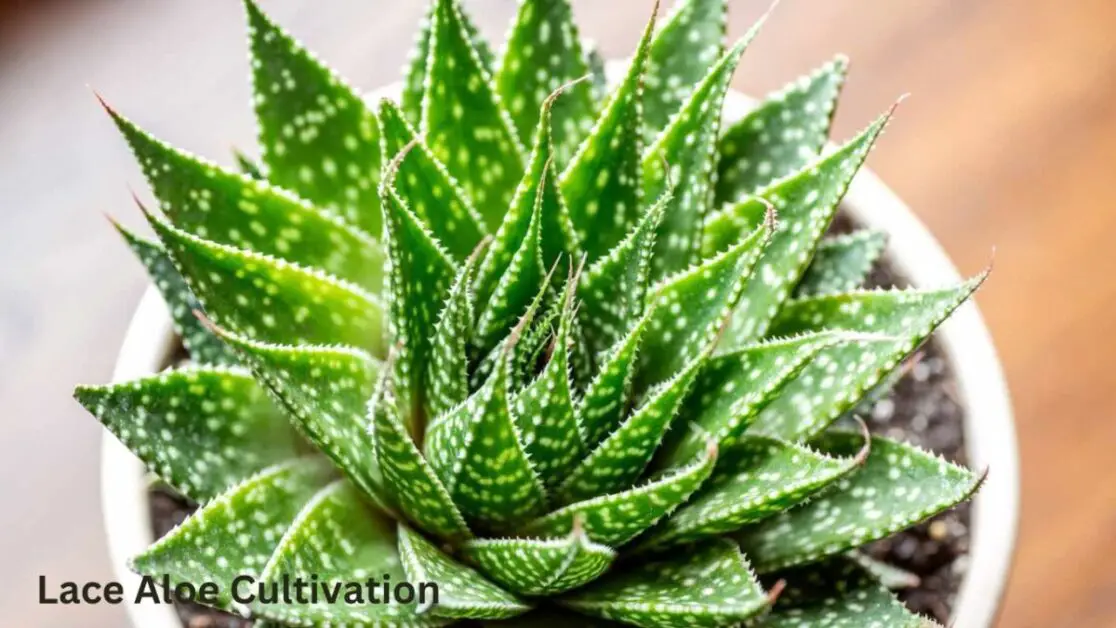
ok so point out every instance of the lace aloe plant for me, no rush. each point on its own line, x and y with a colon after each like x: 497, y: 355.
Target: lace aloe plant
x: 572, y: 358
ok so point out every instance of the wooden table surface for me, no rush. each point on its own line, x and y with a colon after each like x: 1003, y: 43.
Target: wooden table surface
x: 1009, y: 141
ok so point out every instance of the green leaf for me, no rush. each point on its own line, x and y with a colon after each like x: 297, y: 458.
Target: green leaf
x: 601, y: 183
x: 316, y: 135
x: 540, y: 566
x: 898, y: 486
x: 513, y: 351
x: 805, y: 202
x: 482, y: 152
x: 687, y: 148
x: 613, y: 291
x: 462, y: 592
x: 708, y: 585
x: 755, y: 478
x: 270, y: 300
x: 478, y: 454
x: 325, y: 390
x: 543, y: 52
x: 687, y: 310
x: 606, y: 398
x: 537, y: 192
x: 200, y: 343
x: 621, y: 458
x: 338, y: 541
x: 414, y: 83
x: 544, y: 410
x: 228, y: 208
x: 893, y: 312
x: 407, y: 475
x: 235, y: 534
x: 688, y: 44
x: 782, y: 135
x: 431, y: 193
x: 733, y: 388
x: 837, y: 594
x: 842, y: 263
x: 448, y: 369
x: 200, y: 429
x: 618, y: 518
x: 518, y: 284
x: 419, y: 277
x: 840, y: 375
x: 831, y: 384
x: 534, y: 349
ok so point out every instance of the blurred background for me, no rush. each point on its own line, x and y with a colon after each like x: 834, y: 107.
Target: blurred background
x: 1009, y: 141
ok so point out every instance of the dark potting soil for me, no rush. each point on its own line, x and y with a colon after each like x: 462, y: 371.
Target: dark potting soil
x: 921, y: 408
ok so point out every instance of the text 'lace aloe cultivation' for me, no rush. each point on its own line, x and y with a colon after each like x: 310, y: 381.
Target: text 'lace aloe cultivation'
x: 575, y: 355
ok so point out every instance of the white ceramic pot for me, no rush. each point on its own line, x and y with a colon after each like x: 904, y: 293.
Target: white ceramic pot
x: 989, y: 427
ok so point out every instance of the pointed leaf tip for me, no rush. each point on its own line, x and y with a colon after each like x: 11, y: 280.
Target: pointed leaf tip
x: 601, y: 184
x: 431, y: 193
x: 201, y: 344
x: 541, y: 567
x: 689, y: 140
x: 544, y: 409
x: 301, y: 305
x: 201, y: 429
x: 784, y: 133
x: 101, y: 101
x: 462, y: 593
x: 485, y: 155
x: 708, y: 585
x: 903, y: 484
x: 183, y: 556
x: 420, y: 274
x: 545, y: 35
x: 888, y: 326
x: 317, y: 136
x: 807, y: 201
x: 617, y: 518
x: 684, y: 48
x: 226, y: 208
x: 756, y: 478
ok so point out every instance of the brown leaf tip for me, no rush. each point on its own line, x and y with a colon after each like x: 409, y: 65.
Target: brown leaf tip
x: 393, y: 166
x: 862, y: 455
x: 776, y: 590
x: 712, y: 448
x: 561, y: 89
x: 209, y: 324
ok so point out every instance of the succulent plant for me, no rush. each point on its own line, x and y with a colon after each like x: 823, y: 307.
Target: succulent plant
x: 573, y: 357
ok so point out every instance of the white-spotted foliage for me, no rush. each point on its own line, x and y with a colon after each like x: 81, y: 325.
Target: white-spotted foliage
x: 571, y: 356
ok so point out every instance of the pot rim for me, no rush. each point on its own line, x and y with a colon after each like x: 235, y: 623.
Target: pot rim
x: 990, y: 441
